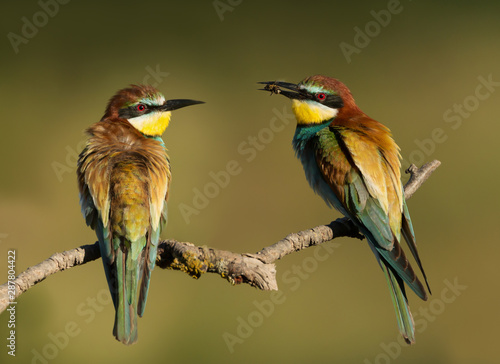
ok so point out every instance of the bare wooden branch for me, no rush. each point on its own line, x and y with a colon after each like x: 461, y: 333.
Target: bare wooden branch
x: 257, y: 270
x: 56, y: 263
x: 418, y: 176
x: 342, y: 227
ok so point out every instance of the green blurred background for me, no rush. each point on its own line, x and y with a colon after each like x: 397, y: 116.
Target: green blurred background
x: 408, y: 74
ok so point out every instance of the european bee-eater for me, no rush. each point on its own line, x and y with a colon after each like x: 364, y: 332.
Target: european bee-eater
x: 353, y: 163
x: 123, y: 178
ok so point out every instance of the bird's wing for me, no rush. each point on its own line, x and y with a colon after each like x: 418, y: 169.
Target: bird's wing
x: 159, y: 180
x: 354, y: 171
x: 409, y: 236
x: 384, y: 164
x: 376, y: 179
x: 367, y: 192
x: 93, y: 182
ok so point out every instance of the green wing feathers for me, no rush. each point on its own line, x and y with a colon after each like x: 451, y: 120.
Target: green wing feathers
x: 368, y: 186
x: 409, y: 236
x: 368, y: 210
x: 374, y: 224
x: 396, y: 258
x: 148, y: 263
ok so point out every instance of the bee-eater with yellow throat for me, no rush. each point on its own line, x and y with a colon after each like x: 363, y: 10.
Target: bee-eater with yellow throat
x: 123, y: 178
x: 353, y: 163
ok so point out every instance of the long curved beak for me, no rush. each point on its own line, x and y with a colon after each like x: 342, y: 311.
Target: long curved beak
x: 178, y: 103
x: 275, y: 87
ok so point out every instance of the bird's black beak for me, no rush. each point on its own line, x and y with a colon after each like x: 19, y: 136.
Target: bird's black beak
x: 275, y: 87
x: 333, y: 101
x: 177, y: 104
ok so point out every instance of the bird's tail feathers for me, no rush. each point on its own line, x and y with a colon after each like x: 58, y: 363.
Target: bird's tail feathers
x: 396, y: 259
x: 127, y: 277
x: 403, y: 315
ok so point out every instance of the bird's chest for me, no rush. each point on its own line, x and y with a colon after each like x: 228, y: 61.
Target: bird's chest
x: 308, y: 145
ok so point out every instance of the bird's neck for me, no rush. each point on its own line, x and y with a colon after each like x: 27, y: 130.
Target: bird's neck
x: 304, y: 133
x: 157, y: 138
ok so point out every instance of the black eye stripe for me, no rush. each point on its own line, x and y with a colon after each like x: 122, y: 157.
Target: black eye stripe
x: 331, y: 100
x: 132, y: 112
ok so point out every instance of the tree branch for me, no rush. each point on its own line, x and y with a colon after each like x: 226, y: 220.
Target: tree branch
x: 257, y: 270
x: 418, y: 176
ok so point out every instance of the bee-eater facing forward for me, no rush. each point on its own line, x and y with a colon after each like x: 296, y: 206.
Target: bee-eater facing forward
x: 123, y: 178
x: 352, y: 162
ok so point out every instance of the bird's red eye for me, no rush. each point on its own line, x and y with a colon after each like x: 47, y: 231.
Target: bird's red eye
x: 321, y: 96
x: 141, y: 107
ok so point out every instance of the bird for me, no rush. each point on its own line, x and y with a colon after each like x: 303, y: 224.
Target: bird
x: 123, y: 176
x: 353, y: 163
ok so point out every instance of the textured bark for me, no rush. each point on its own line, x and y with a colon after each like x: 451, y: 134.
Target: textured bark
x: 257, y: 270
x: 418, y: 176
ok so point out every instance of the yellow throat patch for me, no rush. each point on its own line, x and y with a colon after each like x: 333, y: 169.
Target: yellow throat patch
x: 311, y: 112
x: 153, y: 123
